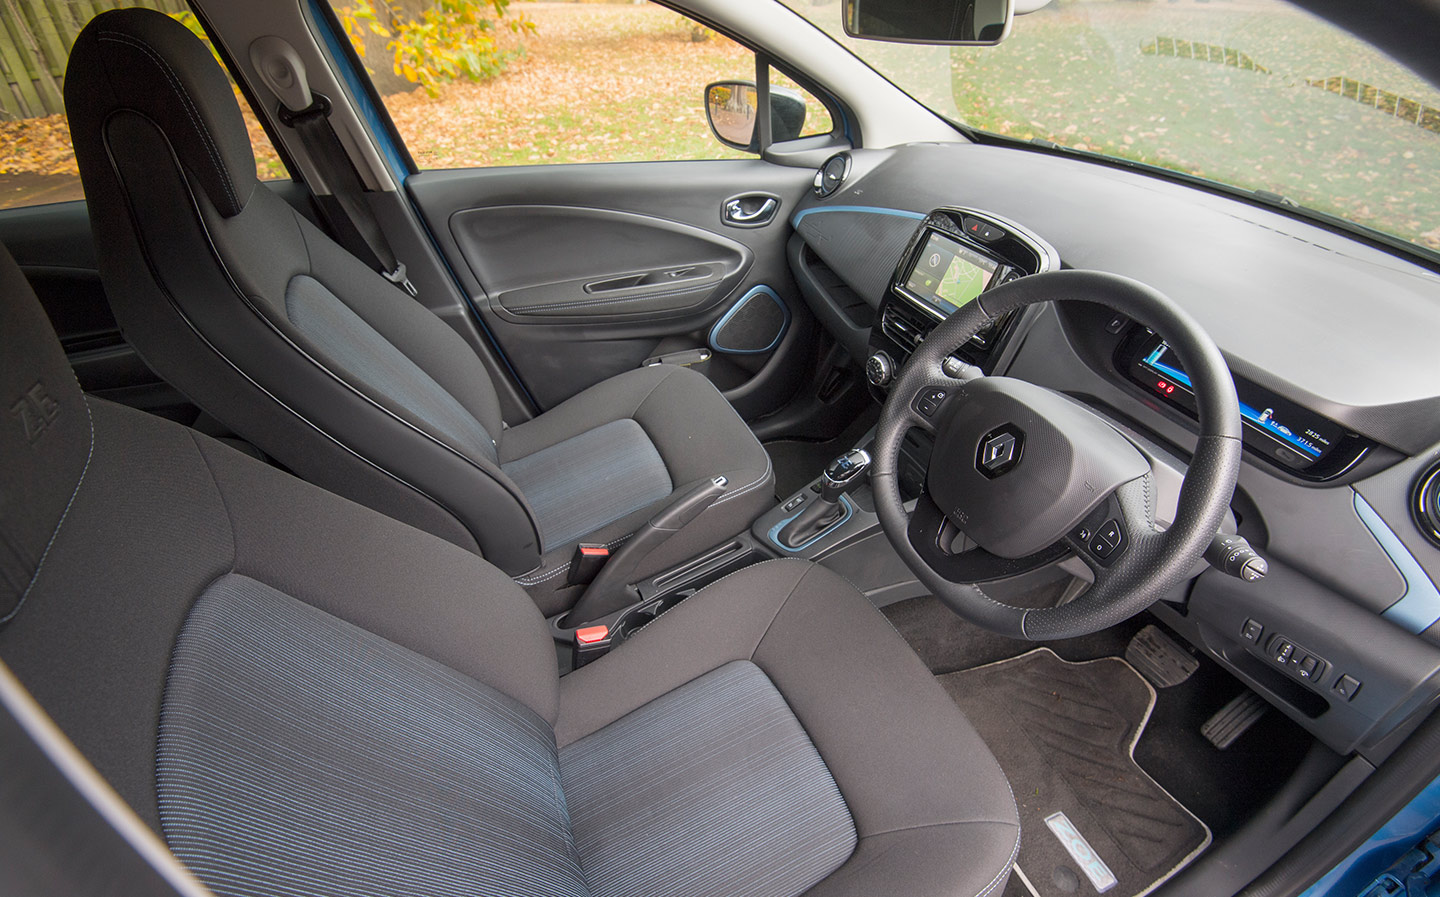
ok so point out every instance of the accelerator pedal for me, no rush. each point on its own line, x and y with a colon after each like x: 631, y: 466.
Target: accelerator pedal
x: 1234, y: 719
x: 1159, y: 658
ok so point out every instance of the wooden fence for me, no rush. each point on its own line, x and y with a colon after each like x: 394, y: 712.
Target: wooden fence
x: 35, y: 45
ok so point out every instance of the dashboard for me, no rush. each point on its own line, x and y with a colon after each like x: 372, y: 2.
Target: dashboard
x: 1330, y: 342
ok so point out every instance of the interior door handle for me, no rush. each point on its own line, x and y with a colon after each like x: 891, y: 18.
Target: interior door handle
x: 734, y: 211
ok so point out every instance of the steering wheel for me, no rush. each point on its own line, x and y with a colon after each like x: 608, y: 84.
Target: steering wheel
x: 1031, y: 477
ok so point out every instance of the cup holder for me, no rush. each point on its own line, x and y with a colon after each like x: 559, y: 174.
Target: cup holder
x: 640, y: 616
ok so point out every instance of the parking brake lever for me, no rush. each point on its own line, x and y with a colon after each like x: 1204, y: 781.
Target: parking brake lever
x: 611, y: 588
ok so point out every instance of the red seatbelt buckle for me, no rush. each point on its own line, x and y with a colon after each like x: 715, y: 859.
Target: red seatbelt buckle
x: 586, y: 563
x: 590, y: 642
x: 592, y: 635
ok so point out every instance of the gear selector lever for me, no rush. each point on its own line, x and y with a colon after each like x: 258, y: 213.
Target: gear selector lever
x: 843, y: 475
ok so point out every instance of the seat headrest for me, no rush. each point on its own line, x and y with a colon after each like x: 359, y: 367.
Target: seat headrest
x: 45, y: 436
x: 145, y: 62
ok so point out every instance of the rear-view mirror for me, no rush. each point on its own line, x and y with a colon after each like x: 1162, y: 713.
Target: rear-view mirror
x: 970, y: 22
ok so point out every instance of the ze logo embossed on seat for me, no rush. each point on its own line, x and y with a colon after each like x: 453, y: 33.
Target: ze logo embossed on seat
x: 36, y: 411
x: 1000, y: 450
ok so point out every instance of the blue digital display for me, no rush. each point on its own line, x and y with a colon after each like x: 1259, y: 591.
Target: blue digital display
x: 1308, y: 441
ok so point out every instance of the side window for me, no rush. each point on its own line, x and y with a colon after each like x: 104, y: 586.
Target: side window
x: 37, y: 163
x: 473, y: 83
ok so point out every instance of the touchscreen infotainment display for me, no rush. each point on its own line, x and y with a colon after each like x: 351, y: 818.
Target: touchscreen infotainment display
x: 947, y: 275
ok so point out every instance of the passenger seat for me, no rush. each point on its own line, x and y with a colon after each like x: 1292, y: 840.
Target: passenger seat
x: 270, y: 326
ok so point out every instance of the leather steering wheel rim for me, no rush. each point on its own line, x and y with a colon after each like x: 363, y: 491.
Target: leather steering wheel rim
x: 1154, y: 561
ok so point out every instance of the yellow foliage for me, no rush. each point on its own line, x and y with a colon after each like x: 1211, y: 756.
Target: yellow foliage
x: 452, y: 39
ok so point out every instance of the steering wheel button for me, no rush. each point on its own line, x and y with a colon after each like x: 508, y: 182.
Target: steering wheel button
x: 1100, y: 548
x: 1112, y: 534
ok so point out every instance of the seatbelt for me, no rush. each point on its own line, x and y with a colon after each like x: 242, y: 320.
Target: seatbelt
x: 350, y: 218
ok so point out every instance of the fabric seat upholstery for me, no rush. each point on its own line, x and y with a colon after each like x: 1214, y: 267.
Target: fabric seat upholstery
x: 263, y: 321
x: 304, y: 696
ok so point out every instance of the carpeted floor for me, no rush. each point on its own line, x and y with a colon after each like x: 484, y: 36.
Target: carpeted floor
x: 1064, y: 734
x: 1224, y: 788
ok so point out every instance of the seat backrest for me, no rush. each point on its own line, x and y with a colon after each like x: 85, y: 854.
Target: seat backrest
x: 260, y: 318
x: 239, y: 656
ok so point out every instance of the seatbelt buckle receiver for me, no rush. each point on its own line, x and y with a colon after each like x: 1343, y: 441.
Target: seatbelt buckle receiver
x: 586, y: 563
x: 591, y: 643
x: 400, y: 279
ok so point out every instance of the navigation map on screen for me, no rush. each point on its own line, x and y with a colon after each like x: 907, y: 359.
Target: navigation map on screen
x: 947, y: 275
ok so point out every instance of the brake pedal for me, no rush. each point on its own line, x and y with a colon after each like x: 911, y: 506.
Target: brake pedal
x: 1159, y: 658
x: 1234, y: 719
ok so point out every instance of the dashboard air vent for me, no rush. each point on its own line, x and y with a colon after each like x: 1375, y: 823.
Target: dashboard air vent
x: 832, y: 174
x: 907, y: 328
x: 1425, y: 504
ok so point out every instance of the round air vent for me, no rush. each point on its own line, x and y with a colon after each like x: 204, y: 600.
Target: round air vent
x: 832, y: 174
x: 1425, y: 504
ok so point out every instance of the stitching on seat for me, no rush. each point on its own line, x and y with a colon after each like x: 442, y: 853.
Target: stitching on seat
x: 779, y: 610
x: 220, y: 494
x: 40, y: 565
x: 530, y: 578
x: 189, y: 105
x: 547, y: 577
x: 1014, y: 852
x: 749, y: 487
x: 640, y: 404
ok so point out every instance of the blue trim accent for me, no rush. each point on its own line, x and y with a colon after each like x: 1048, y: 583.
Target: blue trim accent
x: 761, y: 290
x: 1351, y: 875
x: 775, y: 530
x: 359, y: 95
x: 864, y: 210
x: 1419, y: 608
x: 1250, y: 415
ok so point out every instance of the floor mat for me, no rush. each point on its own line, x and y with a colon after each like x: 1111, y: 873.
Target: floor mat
x: 1091, y: 820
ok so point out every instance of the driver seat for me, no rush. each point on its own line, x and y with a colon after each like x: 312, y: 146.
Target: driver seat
x: 300, y: 695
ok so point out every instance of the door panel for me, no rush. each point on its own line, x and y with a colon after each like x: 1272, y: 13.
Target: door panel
x: 582, y: 272
x: 595, y: 265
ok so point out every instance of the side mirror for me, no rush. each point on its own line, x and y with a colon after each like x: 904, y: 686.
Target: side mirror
x: 732, y: 108
x: 962, y: 22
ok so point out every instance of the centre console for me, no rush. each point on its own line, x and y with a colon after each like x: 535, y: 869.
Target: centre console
x: 955, y: 255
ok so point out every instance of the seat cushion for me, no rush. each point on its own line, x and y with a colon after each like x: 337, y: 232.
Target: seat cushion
x: 300, y: 754
x: 933, y: 812
x: 711, y: 789
x: 579, y: 485
x: 697, y: 435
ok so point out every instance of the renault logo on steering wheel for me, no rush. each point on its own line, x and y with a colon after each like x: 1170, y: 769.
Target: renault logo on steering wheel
x: 1000, y: 450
